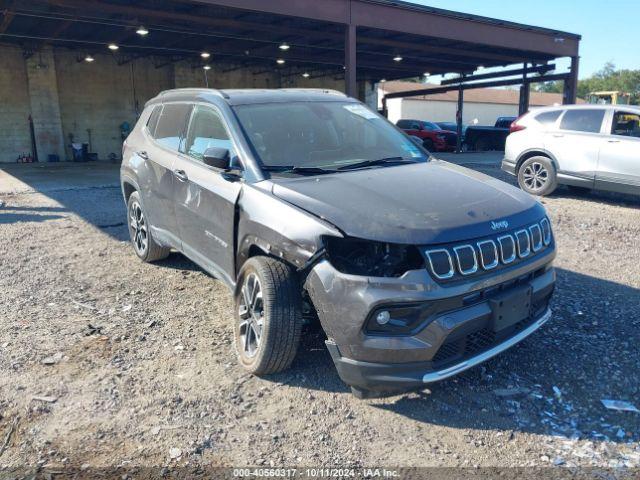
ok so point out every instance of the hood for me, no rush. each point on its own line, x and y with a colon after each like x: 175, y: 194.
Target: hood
x: 425, y: 203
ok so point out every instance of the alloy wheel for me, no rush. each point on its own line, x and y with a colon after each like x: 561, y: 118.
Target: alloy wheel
x: 139, y: 232
x: 251, y: 313
x: 535, y: 176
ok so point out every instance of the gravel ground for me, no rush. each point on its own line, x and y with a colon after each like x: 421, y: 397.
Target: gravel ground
x: 106, y: 361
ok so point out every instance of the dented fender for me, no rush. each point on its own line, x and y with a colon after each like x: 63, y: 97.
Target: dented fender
x: 277, y: 228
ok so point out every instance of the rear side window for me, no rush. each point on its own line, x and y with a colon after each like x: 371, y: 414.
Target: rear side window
x: 171, y: 125
x: 580, y: 120
x: 153, y: 119
x: 548, y: 118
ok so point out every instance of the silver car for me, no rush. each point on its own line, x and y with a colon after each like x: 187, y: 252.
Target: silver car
x: 582, y: 146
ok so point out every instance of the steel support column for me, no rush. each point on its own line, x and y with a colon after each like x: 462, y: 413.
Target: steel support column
x: 459, y: 116
x: 525, y: 90
x: 351, y: 87
x: 571, y: 83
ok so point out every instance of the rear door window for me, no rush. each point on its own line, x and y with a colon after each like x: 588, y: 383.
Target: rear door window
x: 171, y: 124
x: 583, y: 120
x: 548, y: 119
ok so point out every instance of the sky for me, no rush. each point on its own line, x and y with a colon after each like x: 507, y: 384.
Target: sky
x: 609, y: 29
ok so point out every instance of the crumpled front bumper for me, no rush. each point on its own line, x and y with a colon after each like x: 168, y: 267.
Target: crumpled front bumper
x: 378, y: 362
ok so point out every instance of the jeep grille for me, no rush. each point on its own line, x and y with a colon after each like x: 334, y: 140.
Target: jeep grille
x: 456, y: 261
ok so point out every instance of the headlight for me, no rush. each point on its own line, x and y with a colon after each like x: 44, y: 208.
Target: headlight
x: 375, y: 259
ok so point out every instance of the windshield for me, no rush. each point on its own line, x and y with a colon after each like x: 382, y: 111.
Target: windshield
x: 323, y: 135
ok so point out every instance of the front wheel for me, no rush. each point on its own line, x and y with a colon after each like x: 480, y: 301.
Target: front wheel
x: 537, y: 176
x: 268, y: 320
x: 428, y: 145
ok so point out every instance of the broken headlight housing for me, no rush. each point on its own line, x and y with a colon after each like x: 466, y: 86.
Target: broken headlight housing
x: 374, y: 259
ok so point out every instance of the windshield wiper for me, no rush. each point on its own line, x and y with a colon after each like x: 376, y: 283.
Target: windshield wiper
x: 297, y: 169
x: 373, y: 163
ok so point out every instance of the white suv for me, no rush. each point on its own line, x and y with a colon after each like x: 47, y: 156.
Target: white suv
x: 582, y: 146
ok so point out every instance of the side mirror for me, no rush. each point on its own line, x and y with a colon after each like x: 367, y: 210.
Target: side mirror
x: 217, y: 157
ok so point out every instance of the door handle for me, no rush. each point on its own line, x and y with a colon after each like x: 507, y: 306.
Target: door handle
x: 181, y: 175
x: 613, y: 140
x: 558, y: 135
x: 144, y: 155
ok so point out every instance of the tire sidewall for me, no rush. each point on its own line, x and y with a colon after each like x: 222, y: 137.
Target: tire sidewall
x: 552, y: 180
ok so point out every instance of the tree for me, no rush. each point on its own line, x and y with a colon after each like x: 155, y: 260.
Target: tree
x: 605, y: 79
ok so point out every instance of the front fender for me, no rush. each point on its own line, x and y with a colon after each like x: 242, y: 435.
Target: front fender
x: 277, y: 228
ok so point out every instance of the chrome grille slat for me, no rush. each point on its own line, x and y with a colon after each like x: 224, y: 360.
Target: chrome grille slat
x: 496, y: 258
x: 433, y: 270
x: 536, y: 246
x: 513, y: 256
x: 467, y: 271
x: 521, y: 252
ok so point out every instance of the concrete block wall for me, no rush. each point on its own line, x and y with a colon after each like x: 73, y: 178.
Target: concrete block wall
x: 15, y: 138
x: 69, y: 97
x: 97, y: 97
x: 45, y: 104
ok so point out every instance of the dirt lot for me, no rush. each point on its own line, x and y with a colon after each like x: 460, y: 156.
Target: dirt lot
x: 106, y: 361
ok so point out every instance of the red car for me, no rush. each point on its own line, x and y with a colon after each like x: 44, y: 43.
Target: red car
x: 434, y: 138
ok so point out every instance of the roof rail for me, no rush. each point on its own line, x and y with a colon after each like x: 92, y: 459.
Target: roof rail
x: 194, y: 90
x: 316, y: 90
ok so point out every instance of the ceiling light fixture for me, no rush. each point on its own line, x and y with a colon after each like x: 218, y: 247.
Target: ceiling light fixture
x: 306, y: 75
x: 397, y: 58
x: 207, y: 67
x: 113, y: 47
x: 205, y: 54
x: 89, y: 59
x: 280, y: 61
x: 426, y: 74
x: 382, y: 80
x: 142, y: 31
x: 284, y: 46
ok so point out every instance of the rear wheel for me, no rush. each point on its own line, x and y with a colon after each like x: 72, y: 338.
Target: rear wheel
x: 537, y: 176
x: 268, y: 315
x: 140, y: 233
x: 428, y: 144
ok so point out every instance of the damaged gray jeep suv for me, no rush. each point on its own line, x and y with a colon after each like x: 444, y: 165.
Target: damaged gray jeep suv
x: 311, y: 207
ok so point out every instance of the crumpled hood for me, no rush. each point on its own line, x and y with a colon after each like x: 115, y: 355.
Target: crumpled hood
x: 425, y: 203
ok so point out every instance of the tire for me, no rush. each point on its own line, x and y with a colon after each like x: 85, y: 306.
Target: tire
x: 428, y: 145
x: 267, y: 327
x: 142, y: 240
x: 482, y: 145
x: 537, y: 176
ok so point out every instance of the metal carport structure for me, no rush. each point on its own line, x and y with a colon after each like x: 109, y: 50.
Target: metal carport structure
x: 358, y: 40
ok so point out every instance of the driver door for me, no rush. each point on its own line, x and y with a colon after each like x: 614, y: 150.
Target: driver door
x: 206, y: 196
x: 619, y: 165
